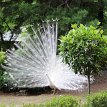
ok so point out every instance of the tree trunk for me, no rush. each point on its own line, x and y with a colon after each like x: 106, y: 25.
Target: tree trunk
x: 101, y: 11
x: 89, y: 84
x: 1, y: 40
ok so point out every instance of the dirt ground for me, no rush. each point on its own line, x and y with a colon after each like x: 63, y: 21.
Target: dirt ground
x: 20, y: 100
x: 99, y: 85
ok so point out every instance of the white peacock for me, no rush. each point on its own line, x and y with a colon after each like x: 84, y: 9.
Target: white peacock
x: 35, y: 63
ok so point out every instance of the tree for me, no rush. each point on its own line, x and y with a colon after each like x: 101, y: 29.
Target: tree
x: 15, y: 14
x: 85, y: 50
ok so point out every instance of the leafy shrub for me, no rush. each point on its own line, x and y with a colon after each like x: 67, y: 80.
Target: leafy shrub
x: 2, y: 57
x: 84, y: 48
x: 62, y: 101
x: 97, y: 100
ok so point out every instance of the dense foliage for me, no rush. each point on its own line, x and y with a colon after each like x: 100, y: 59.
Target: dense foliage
x: 2, y: 59
x: 84, y: 49
x: 17, y: 13
x: 97, y: 100
x: 62, y: 101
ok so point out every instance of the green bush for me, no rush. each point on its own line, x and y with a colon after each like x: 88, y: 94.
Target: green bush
x: 84, y: 48
x: 97, y: 100
x: 62, y: 101
x: 2, y: 57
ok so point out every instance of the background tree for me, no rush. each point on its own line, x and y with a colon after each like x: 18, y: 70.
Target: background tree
x: 17, y: 13
x: 85, y: 50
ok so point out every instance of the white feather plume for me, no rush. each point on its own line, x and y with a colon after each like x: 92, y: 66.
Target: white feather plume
x: 35, y: 63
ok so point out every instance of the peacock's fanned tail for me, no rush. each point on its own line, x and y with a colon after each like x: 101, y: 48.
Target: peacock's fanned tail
x: 35, y: 63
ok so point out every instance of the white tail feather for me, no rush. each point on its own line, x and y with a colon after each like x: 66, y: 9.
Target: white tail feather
x: 36, y: 59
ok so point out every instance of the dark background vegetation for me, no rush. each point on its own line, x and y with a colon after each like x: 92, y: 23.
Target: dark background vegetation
x: 17, y: 13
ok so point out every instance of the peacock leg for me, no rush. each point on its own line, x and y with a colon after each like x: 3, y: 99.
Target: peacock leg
x: 54, y: 91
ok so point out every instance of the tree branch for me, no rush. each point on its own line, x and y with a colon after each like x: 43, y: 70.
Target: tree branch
x: 1, y: 36
x: 8, y: 28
